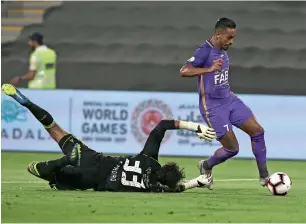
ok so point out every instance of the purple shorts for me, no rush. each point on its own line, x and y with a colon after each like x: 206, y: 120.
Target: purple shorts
x: 222, y: 118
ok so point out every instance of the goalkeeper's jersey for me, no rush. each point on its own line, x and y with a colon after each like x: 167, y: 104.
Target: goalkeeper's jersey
x: 134, y: 174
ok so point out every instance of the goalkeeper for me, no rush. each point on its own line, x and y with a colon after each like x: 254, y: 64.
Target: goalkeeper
x: 83, y: 168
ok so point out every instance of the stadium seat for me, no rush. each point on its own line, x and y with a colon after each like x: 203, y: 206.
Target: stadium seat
x: 146, y: 43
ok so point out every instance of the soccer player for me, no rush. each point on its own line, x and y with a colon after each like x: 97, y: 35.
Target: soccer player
x: 83, y: 168
x: 220, y: 107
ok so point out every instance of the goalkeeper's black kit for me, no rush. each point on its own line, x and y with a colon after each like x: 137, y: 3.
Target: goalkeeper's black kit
x: 104, y: 173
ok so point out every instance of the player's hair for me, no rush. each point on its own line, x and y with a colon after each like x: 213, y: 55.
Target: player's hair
x: 170, y: 174
x: 224, y: 23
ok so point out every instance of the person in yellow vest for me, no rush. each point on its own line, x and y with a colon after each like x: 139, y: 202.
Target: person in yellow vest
x: 42, y: 69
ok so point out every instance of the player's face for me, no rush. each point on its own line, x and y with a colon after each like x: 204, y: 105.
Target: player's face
x: 32, y: 44
x: 226, y: 38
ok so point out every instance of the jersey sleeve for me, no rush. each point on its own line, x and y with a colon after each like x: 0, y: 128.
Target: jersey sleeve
x: 199, y: 58
x: 150, y: 152
x: 32, y: 66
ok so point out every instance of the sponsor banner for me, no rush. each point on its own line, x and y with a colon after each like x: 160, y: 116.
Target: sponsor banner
x: 120, y: 122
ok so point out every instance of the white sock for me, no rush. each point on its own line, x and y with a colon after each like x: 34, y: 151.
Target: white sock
x: 188, y: 125
x: 191, y: 184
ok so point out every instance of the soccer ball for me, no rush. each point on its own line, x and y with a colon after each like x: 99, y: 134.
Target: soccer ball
x: 279, y: 184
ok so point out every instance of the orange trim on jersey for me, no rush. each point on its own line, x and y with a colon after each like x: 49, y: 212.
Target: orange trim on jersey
x: 202, y: 89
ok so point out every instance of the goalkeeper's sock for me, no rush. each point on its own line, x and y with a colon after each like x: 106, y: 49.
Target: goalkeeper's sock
x: 221, y: 155
x: 260, y: 152
x: 191, y: 184
x: 41, y: 115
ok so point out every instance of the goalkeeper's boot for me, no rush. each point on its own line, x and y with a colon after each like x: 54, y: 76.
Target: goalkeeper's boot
x: 13, y: 92
x: 32, y: 169
x: 75, y: 156
x: 40, y: 170
x: 208, y: 173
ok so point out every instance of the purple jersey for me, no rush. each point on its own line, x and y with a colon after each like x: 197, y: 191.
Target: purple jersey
x: 213, y: 88
x: 219, y: 107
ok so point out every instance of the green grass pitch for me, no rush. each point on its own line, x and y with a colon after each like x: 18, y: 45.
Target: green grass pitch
x: 28, y: 199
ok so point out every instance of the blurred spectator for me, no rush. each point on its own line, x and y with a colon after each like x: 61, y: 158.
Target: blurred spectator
x: 42, y: 69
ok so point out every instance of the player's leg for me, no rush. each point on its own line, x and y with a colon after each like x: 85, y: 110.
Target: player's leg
x: 46, y: 170
x: 80, y: 169
x: 229, y: 149
x: 66, y: 141
x: 219, y: 121
x: 71, y: 146
x: 243, y: 118
x: 55, y: 131
x: 76, y: 154
x: 256, y: 133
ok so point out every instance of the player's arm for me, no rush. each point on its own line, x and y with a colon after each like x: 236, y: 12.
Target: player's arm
x: 195, y: 65
x: 190, y: 71
x: 200, y: 181
x: 29, y: 75
x: 152, y: 145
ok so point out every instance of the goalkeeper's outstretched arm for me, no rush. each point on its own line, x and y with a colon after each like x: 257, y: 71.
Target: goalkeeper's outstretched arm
x: 156, y: 136
x: 200, y: 181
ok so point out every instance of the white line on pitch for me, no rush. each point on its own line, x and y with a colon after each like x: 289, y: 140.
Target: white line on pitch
x: 230, y: 180
x: 23, y: 182
x: 44, y: 182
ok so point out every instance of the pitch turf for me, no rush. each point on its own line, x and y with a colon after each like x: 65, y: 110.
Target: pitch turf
x: 27, y: 199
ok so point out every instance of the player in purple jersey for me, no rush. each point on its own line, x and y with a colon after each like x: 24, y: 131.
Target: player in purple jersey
x: 220, y: 107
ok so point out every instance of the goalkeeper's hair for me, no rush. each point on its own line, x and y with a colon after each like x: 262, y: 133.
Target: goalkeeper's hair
x: 170, y: 174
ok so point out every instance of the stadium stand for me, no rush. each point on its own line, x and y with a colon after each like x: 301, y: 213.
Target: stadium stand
x: 17, y: 14
x: 144, y: 44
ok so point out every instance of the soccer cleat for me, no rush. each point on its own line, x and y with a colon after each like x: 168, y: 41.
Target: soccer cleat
x: 75, y: 155
x: 40, y: 170
x: 263, y: 181
x: 208, y: 173
x: 13, y: 92
x: 32, y: 169
x: 204, y: 180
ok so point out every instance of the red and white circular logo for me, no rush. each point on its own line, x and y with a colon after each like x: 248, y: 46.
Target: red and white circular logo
x: 146, y: 116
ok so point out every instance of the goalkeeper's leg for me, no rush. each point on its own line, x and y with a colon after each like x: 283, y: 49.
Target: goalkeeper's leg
x: 46, y: 170
x: 55, y: 131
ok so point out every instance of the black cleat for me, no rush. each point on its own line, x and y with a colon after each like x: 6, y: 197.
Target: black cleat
x: 32, y: 169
